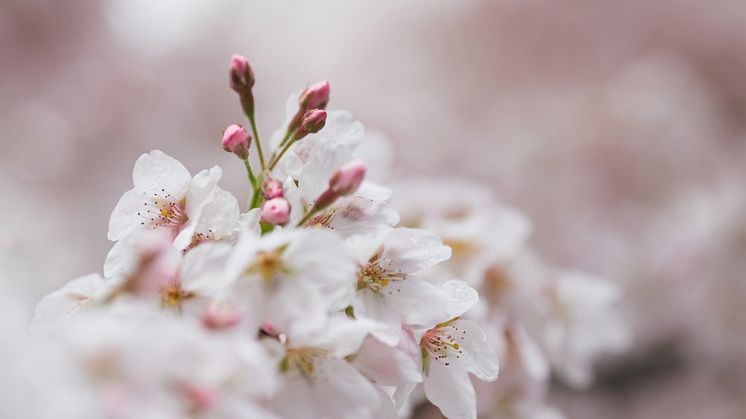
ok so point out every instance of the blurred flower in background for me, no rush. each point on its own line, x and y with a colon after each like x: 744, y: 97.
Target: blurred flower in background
x: 617, y: 127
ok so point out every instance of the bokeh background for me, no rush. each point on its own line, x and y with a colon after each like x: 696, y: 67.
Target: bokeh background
x: 618, y: 127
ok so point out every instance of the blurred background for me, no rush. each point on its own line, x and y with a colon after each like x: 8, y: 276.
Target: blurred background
x: 618, y: 127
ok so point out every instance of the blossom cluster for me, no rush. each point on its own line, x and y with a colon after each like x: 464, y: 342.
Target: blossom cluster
x: 329, y: 296
x: 542, y: 320
x: 314, y: 302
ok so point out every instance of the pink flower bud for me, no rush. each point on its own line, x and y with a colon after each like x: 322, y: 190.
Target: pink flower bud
x: 348, y: 178
x: 236, y: 140
x: 201, y: 398
x: 220, y: 316
x: 240, y: 73
x: 314, y: 120
x: 272, y: 188
x: 315, y: 96
x: 276, y: 211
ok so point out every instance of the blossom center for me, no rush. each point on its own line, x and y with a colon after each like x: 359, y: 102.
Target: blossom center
x: 303, y: 361
x: 375, y: 278
x: 442, y: 343
x: 163, y: 210
x: 268, y: 263
x: 173, y: 296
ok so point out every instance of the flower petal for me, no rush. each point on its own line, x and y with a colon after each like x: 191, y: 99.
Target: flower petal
x: 450, y: 389
x: 157, y: 170
x: 478, y: 357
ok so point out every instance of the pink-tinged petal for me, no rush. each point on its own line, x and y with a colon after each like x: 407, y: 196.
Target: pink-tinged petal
x: 450, y: 389
x: 386, y: 365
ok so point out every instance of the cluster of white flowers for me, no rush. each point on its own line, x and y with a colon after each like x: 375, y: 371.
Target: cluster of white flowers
x: 311, y: 304
x: 540, y: 319
x: 321, y: 300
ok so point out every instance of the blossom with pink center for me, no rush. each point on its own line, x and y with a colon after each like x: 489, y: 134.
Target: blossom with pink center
x: 450, y: 351
x: 166, y: 197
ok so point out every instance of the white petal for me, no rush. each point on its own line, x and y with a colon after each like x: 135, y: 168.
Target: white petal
x: 344, y: 392
x: 478, y: 357
x: 411, y: 250
x: 202, y: 268
x: 375, y: 306
x: 337, y: 391
x: 157, y: 170
x: 202, y: 187
x: 450, y: 389
x: 124, y: 218
x: 319, y: 257
x: 424, y: 304
x: 61, y: 305
x: 220, y: 215
x: 324, y: 161
x: 118, y: 260
x: 386, y: 365
x: 386, y: 409
x: 249, y: 221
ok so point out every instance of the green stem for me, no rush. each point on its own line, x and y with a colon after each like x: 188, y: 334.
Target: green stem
x: 286, y: 137
x: 252, y: 179
x: 276, y: 160
x: 256, y: 197
x: 252, y: 122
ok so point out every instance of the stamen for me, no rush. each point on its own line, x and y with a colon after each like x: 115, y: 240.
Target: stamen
x: 442, y: 343
x: 302, y: 361
x: 268, y: 263
x: 162, y: 210
x: 376, y: 278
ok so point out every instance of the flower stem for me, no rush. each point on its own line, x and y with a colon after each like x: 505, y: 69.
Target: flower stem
x: 256, y: 197
x: 252, y: 179
x: 255, y: 132
x: 276, y: 159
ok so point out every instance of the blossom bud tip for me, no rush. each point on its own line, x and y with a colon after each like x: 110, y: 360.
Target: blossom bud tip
x: 348, y: 178
x: 240, y: 73
x: 314, y: 120
x: 276, y: 211
x: 272, y: 188
x: 236, y: 140
x: 315, y: 96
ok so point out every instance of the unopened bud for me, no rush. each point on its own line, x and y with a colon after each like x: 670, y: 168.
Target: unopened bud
x: 236, y: 140
x: 272, y: 188
x: 219, y: 316
x: 241, y: 76
x: 314, y: 120
x: 276, y: 211
x: 348, y: 178
x: 315, y: 96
